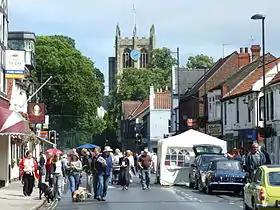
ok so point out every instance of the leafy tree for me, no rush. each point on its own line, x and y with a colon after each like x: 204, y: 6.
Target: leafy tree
x: 76, y: 89
x: 199, y: 61
x: 162, y: 59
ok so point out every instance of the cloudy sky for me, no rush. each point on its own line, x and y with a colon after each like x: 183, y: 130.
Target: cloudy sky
x: 196, y: 26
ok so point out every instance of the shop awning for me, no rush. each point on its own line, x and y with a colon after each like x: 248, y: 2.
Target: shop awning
x: 12, y: 122
x: 45, y: 141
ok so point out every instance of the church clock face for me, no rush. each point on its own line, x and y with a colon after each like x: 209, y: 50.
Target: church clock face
x: 135, y: 55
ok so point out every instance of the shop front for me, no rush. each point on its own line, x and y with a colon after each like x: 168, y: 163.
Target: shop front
x: 246, y: 137
x: 214, y: 129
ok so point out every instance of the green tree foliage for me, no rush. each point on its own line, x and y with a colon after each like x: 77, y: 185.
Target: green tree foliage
x: 76, y: 89
x: 200, y: 61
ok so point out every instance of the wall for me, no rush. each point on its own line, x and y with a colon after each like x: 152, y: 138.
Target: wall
x: 158, y: 125
x: 18, y: 98
x: 4, y: 154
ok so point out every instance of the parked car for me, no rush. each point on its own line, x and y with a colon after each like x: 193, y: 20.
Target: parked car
x: 204, y: 154
x: 224, y: 175
x: 263, y: 191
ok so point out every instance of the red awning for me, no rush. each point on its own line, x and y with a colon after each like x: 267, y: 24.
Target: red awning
x: 12, y: 122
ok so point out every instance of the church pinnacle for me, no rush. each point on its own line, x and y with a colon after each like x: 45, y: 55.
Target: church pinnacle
x: 134, y: 22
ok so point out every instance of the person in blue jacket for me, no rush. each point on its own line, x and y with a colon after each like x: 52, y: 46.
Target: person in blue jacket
x: 104, y: 166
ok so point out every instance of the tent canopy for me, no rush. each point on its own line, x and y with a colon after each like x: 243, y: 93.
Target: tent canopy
x: 193, y: 137
x: 87, y: 146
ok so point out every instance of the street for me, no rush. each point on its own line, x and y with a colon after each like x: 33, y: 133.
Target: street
x: 157, y: 198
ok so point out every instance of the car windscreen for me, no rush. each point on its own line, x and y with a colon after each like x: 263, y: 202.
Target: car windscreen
x: 206, y: 159
x: 274, y: 178
x: 228, y: 165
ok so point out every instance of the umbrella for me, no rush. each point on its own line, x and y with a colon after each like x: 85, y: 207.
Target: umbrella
x: 87, y: 146
x: 54, y: 151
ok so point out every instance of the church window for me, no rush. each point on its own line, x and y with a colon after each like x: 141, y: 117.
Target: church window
x: 144, y: 58
x: 127, y: 59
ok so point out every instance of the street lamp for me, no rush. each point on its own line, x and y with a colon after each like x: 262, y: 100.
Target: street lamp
x: 262, y: 18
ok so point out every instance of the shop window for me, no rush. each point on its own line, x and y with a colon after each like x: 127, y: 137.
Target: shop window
x: 261, y: 108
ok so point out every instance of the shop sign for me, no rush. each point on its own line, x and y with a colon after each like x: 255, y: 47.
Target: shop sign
x: 15, y: 63
x: 214, y: 129
x: 36, y: 112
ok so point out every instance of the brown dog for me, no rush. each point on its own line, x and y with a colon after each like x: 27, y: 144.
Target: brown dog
x: 81, y: 195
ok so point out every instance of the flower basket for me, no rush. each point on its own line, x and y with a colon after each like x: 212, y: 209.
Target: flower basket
x: 25, y: 115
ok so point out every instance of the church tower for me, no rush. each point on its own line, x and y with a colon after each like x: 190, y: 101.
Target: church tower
x: 133, y: 52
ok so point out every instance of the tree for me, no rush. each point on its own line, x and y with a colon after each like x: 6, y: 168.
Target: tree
x: 76, y: 89
x: 200, y: 61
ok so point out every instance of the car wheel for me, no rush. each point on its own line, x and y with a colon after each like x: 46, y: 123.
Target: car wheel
x: 245, y: 207
x: 200, y: 186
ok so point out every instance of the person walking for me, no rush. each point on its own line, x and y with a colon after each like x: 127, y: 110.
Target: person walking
x: 267, y: 158
x: 42, y: 167
x: 74, y: 169
x: 124, y: 176
x: 57, y: 175
x: 29, y: 171
x: 254, y: 159
x: 104, y: 166
x: 94, y: 172
x: 145, y: 162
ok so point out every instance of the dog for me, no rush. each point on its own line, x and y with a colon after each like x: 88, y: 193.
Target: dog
x: 81, y: 195
x: 47, y: 191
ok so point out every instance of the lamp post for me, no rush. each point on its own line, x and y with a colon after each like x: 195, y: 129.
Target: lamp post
x: 262, y: 18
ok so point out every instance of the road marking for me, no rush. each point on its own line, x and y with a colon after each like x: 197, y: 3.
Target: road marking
x: 111, y: 187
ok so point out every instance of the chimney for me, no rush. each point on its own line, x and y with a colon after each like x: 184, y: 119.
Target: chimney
x: 160, y: 90
x: 243, y: 57
x: 166, y: 88
x: 256, y: 52
x: 152, y: 98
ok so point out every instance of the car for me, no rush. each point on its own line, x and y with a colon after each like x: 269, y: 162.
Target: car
x: 204, y: 154
x: 263, y: 191
x: 224, y: 175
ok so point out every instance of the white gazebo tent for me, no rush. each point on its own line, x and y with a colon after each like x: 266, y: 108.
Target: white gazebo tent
x: 175, y: 155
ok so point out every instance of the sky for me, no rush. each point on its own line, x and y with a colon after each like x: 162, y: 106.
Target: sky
x: 207, y: 27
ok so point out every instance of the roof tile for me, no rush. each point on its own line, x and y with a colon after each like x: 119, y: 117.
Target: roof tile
x: 248, y: 82
x: 163, y: 100
x: 128, y: 107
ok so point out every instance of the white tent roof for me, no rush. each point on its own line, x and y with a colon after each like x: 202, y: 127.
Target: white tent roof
x: 192, y: 137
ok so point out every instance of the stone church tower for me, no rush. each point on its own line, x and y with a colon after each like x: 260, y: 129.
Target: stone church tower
x: 125, y: 46
x: 131, y: 52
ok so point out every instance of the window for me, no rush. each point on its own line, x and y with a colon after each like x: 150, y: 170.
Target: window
x: 126, y: 58
x: 274, y: 178
x: 249, y: 114
x: 218, y: 110
x: 237, y: 110
x: 144, y: 58
x: 261, y: 108
x: 225, y: 113
x: 271, y: 105
x: 267, y: 107
x: 178, y: 157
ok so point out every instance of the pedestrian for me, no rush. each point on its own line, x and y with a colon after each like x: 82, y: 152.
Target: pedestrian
x: 48, y: 169
x: 94, y: 172
x: 104, y: 166
x: 145, y: 162
x: 29, y: 172
x: 57, y: 175
x: 87, y: 163
x: 116, y: 166
x: 131, y: 165
x: 74, y: 169
x: 124, y: 176
x: 42, y: 167
x: 267, y: 158
x: 254, y: 159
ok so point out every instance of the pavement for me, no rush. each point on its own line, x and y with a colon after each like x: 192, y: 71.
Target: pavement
x: 11, y: 197
x: 157, y: 198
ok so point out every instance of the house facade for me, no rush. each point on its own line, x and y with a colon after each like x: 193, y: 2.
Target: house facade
x: 214, y: 108
x: 192, y: 104
x: 273, y: 119
x: 242, y: 114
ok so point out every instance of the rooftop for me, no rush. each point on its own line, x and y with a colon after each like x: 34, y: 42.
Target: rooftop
x: 246, y: 85
x: 21, y: 35
x: 128, y: 107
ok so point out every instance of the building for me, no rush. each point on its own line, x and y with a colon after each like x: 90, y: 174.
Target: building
x: 187, y: 78
x: 151, y: 119
x: 132, y: 52
x: 214, y: 109
x: 192, y: 108
x: 243, y: 108
x: 273, y: 91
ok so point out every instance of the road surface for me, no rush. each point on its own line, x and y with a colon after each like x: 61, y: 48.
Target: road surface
x: 157, y: 198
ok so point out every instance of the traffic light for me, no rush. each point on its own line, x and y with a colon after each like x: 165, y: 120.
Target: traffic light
x: 57, y: 136
x: 52, y: 136
x: 139, y: 139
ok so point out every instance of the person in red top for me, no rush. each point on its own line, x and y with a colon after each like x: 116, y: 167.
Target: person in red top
x: 29, y: 171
